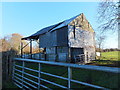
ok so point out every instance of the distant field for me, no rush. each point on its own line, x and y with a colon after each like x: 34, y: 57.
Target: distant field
x: 110, y: 59
x: 113, y: 55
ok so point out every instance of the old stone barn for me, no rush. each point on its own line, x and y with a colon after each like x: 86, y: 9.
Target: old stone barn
x: 72, y: 40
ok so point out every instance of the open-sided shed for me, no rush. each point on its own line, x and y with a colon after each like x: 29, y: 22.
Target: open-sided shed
x: 68, y: 40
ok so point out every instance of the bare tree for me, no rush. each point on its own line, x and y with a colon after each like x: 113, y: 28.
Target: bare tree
x: 100, y: 41
x: 108, y: 15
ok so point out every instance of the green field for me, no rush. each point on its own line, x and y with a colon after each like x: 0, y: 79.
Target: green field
x: 111, y: 59
x: 105, y: 79
x: 113, y: 55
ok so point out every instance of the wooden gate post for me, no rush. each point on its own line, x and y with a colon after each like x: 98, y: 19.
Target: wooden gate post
x: 69, y: 77
x: 31, y: 48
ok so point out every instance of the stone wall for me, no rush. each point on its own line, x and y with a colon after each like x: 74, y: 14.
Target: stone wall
x: 81, y: 35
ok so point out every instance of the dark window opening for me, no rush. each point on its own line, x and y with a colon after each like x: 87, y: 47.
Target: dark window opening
x: 82, y: 17
x: 74, y: 30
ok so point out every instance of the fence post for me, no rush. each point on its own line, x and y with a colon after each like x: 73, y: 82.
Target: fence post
x: 39, y: 69
x: 23, y: 73
x: 13, y: 69
x: 69, y: 77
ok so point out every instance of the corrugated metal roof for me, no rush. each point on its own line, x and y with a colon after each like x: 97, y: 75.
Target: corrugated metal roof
x: 65, y: 23
x: 40, y: 32
x: 50, y: 28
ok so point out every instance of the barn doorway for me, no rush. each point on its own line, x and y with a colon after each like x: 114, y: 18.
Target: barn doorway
x: 76, y: 52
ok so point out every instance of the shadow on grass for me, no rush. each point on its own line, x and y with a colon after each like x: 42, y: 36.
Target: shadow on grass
x: 109, y: 63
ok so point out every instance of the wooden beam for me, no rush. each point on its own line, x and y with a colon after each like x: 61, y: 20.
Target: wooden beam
x: 31, y: 48
x: 45, y: 53
x: 24, y: 46
x: 21, y: 49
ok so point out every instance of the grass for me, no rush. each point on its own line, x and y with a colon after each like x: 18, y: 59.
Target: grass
x: 107, y: 63
x: 108, y: 80
x: 9, y: 85
x: 113, y: 55
x: 111, y: 59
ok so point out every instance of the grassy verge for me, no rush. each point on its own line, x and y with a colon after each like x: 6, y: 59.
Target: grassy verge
x: 9, y: 85
x: 7, y: 82
x: 108, y: 63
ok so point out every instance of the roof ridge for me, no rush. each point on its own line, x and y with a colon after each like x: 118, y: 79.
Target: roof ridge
x: 51, y: 27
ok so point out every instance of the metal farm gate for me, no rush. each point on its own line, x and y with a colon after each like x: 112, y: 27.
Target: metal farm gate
x: 20, y: 79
